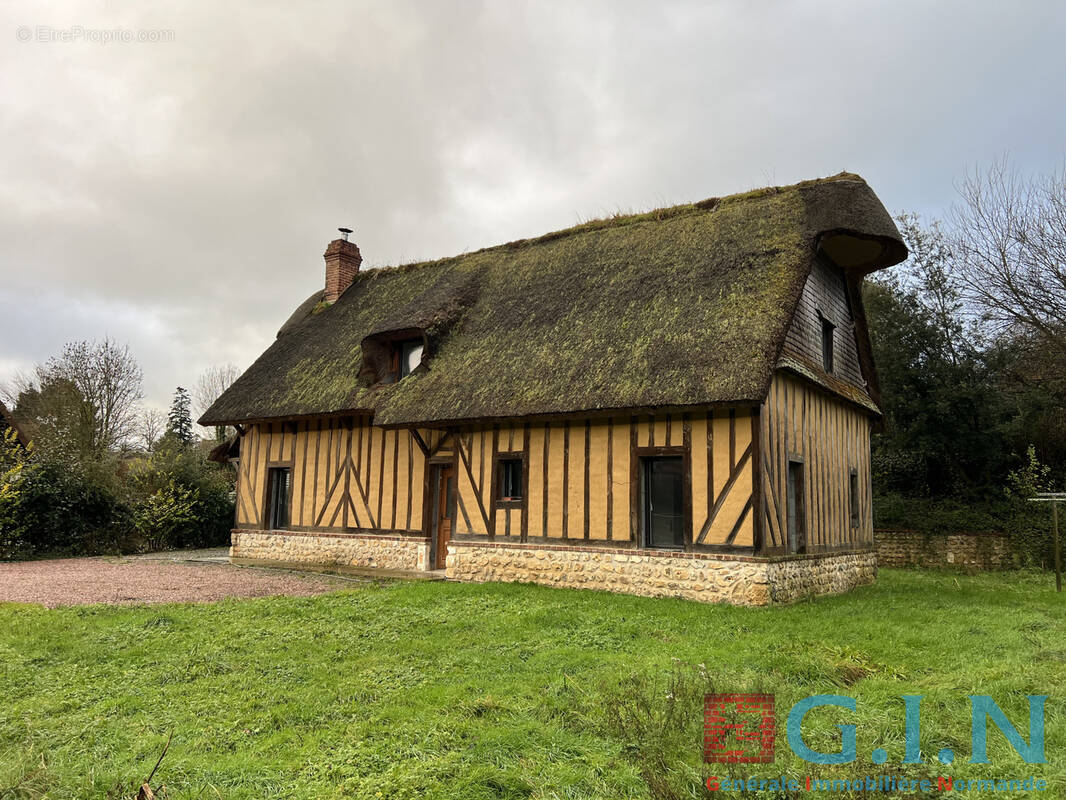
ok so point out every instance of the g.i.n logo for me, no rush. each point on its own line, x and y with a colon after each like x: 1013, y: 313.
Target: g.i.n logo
x: 730, y: 738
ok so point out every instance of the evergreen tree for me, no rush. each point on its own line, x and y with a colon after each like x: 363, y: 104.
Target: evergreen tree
x: 179, y: 420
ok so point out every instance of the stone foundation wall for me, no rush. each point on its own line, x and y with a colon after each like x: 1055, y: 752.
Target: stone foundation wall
x: 980, y: 551
x: 342, y: 549
x: 806, y: 576
x: 707, y: 577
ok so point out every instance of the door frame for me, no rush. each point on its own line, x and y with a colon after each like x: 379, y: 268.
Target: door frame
x: 431, y: 488
x: 636, y: 494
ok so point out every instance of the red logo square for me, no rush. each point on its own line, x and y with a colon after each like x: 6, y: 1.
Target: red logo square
x: 738, y: 728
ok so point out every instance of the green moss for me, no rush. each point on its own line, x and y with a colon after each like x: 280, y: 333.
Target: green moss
x: 680, y: 306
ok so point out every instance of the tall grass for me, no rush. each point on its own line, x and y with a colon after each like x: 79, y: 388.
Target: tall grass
x: 437, y: 690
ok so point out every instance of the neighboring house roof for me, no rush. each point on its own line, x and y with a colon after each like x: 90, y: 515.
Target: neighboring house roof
x: 685, y: 306
x: 226, y: 450
x: 7, y: 420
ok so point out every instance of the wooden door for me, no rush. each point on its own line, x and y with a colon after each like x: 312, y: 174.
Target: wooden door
x: 445, y: 516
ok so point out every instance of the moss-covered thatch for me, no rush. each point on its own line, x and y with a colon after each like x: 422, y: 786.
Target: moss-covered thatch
x: 679, y: 307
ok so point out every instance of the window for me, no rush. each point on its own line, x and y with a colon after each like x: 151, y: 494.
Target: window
x: 279, y: 484
x: 509, y: 480
x: 827, y: 344
x: 410, y: 356
x: 853, y: 495
x: 662, y: 498
x: 797, y: 512
x: 390, y: 356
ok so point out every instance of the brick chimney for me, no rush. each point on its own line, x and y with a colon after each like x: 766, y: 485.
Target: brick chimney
x: 342, y: 265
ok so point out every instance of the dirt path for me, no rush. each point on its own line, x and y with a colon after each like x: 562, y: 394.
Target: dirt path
x: 84, y: 581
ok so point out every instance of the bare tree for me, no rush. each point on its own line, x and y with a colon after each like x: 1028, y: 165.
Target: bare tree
x: 150, y: 426
x: 1010, y: 241
x: 209, y: 387
x: 931, y: 276
x: 88, y: 395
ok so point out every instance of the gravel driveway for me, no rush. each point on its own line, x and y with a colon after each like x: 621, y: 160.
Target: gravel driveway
x: 84, y: 581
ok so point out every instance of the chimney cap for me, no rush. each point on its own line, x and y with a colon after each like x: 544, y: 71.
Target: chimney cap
x: 345, y: 231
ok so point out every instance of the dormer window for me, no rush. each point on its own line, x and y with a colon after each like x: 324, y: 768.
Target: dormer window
x: 410, y: 355
x: 390, y: 356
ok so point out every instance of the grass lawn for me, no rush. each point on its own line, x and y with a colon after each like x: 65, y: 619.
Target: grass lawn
x: 439, y: 690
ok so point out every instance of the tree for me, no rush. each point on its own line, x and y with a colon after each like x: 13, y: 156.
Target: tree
x: 209, y: 387
x: 1009, y: 234
x: 85, y: 399
x: 944, y: 416
x: 179, y: 421
x: 109, y: 379
x: 54, y: 408
x: 930, y: 277
x: 151, y: 424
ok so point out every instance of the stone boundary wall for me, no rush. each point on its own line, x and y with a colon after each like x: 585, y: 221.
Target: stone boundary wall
x: 710, y: 578
x: 907, y: 548
x: 343, y: 549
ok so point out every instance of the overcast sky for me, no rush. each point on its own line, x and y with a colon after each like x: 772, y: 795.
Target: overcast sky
x: 178, y: 194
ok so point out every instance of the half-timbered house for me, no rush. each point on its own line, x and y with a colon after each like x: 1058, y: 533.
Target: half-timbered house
x: 670, y: 403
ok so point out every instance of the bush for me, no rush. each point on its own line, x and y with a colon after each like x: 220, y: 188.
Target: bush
x: 180, y: 499
x: 160, y: 516
x: 71, y: 511
x: 1027, y: 524
x: 659, y: 720
x: 172, y: 499
x: 15, y: 467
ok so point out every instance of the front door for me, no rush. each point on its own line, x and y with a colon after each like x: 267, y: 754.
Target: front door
x: 444, y: 513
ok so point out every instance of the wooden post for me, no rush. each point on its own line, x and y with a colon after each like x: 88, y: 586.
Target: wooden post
x: 1053, y: 498
x: 1055, y: 542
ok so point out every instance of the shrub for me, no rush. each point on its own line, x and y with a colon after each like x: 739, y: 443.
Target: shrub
x: 68, y: 510
x: 181, y: 499
x: 164, y: 513
x: 659, y: 719
x: 1027, y: 524
x: 52, y: 506
x: 15, y: 467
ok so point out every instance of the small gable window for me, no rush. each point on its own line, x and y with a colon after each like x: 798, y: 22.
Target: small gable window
x: 509, y: 479
x: 410, y: 355
x: 827, y: 344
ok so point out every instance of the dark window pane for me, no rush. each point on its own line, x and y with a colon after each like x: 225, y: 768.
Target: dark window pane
x: 797, y: 516
x: 664, y: 513
x: 510, y: 478
x: 278, y: 497
x: 450, y: 499
x: 854, y: 495
x: 827, y: 345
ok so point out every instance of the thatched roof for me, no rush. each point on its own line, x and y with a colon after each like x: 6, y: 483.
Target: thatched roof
x: 684, y: 306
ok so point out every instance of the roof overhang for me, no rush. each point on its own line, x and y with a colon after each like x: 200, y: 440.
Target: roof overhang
x: 860, y: 253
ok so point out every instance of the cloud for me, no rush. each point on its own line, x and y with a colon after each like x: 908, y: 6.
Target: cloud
x: 178, y: 195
